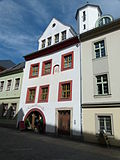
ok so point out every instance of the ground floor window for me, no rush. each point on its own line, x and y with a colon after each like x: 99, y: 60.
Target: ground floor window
x: 5, y: 109
x: 104, y: 124
x: 13, y: 110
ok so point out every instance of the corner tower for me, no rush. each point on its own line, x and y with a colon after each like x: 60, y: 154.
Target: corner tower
x: 86, y: 17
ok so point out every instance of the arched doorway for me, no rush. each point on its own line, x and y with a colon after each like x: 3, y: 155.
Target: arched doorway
x: 35, y: 120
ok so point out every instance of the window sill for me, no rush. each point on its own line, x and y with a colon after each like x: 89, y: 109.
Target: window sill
x: 29, y: 102
x: 33, y: 77
x: 64, y: 99
x: 45, y: 74
x: 102, y: 95
x: 104, y: 57
x: 64, y: 69
x: 108, y: 135
x: 42, y: 101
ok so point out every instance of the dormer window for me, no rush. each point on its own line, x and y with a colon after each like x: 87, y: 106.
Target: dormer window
x: 43, y: 43
x: 63, y: 35
x: 57, y: 38
x: 49, y: 41
x: 103, y: 20
x: 84, y: 16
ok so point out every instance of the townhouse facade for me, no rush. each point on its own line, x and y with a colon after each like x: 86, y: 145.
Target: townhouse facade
x: 10, y: 87
x: 72, y: 82
x: 49, y: 91
x: 100, y: 81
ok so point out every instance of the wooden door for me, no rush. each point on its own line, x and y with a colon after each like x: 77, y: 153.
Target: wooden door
x: 64, y: 122
x: 33, y: 121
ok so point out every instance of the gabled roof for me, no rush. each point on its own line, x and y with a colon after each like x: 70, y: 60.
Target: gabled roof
x: 6, y: 64
x: 91, y: 5
x: 59, y: 22
x: 15, y: 69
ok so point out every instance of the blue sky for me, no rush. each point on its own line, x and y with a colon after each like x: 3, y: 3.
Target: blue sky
x: 23, y: 21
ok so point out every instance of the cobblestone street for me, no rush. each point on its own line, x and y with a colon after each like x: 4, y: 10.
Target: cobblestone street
x: 16, y: 145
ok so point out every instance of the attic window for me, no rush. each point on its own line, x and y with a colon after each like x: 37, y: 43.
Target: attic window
x: 53, y: 25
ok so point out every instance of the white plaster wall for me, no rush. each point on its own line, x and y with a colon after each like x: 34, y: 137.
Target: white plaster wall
x: 53, y: 80
x: 52, y: 31
x: 113, y: 57
x: 91, y: 18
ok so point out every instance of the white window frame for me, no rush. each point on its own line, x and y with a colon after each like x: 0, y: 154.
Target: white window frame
x: 7, y: 84
x: 15, y: 83
x: 102, y: 82
x: 93, y: 49
x: 63, y: 37
x: 57, y: 40
x: 43, y: 46
x: 3, y: 85
x: 49, y: 42
x: 98, y: 124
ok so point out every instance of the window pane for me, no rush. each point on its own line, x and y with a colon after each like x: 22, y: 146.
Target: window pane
x: 96, y: 45
x: 68, y: 61
x: 35, y: 70
x: 102, y: 52
x: 47, y: 68
x: 97, y: 53
x: 31, y: 94
x: 63, y: 35
x: 102, y: 43
x: 105, y: 88
x: 105, y: 124
x: 98, y: 78
x: 104, y: 77
x: 66, y: 90
x: 99, y: 88
x: 1, y: 86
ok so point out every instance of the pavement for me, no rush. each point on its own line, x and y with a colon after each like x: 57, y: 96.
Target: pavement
x: 17, y: 145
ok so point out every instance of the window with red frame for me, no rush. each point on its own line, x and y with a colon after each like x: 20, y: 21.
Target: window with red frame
x: 65, y: 91
x: 67, y: 61
x: 43, y: 93
x: 31, y: 95
x: 34, y: 70
x: 46, y: 67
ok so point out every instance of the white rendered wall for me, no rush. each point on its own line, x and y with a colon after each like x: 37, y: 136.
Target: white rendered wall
x: 49, y: 108
x: 112, y: 50
x: 92, y: 14
x: 52, y: 31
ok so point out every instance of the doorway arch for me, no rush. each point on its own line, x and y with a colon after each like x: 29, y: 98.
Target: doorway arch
x: 33, y: 115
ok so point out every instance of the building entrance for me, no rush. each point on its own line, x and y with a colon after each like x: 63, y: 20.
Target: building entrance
x: 64, y: 122
x: 35, y: 121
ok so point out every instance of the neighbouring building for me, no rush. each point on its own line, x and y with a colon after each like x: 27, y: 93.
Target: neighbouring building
x: 100, y: 80
x: 10, y: 89
x: 5, y: 64
x: 51, y: 82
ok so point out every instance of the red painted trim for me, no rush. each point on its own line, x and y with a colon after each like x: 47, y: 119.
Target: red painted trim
x: 27, y: 97
x: 30, y: 74
x: 40, y: 92
x: 62, y: 61
x: 60, y: 91
x: 53, y: 48
x: 43, y: 67
x: 41, y: 113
